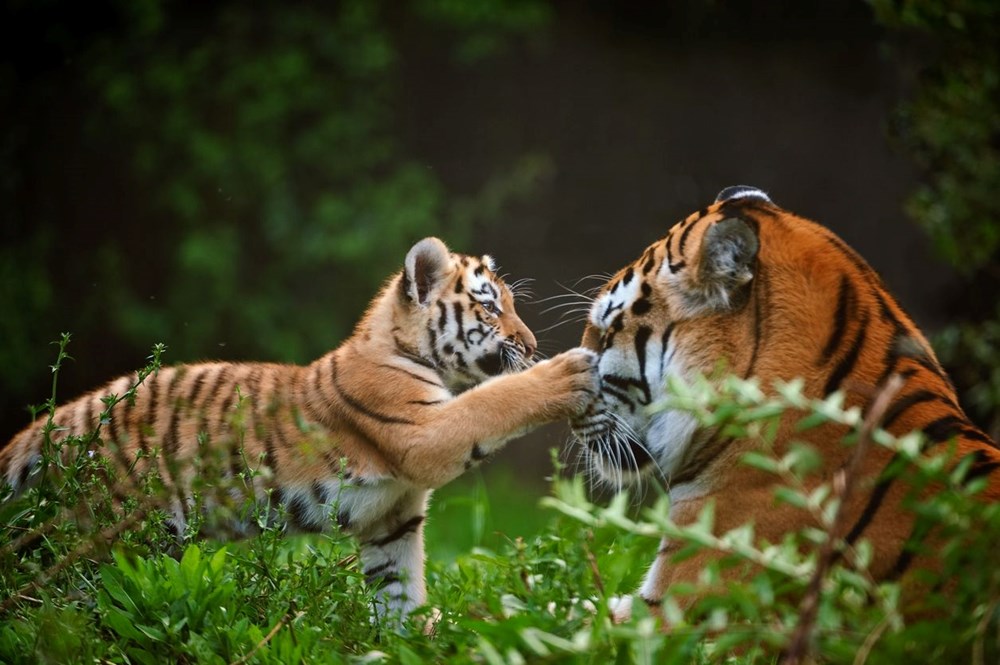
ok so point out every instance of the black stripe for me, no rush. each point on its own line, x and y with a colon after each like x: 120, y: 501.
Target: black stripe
x: 477, y: 453
x: 847, y: 363
x: 373, y: 574
x: 902, y: 563
x: 433, y: 335
x: 651, y: 603
x: 620, y: 396
x: 171, y: 436
x: 89, y: 414
x: 684, y: 235
x: 642, y: 336
x: 297, y: 509
x: 944, y: 428
x: 918, y: 536
x: 419, y: 361
x: 650, y: 259
x: 276, y: 435
x: 981, y: 466
x: 199, y: 385
x: 210, y: 396
x: 113, y: 423
x: 900, y: 406
x: 460, y: 336
x: 627, y: 277
x: 404, y: 529
x: 854, y: 258
x: 459, y: 285
x: 643, y: 304
x: 116, y: 413
x: 320, y: 492
x: 976, y: 435
x: 405, y: 351
x: 148, y: 421
x: 760, y: 292
x: 250, y: 394
x: 426, y: 402
x: 845, y: 298
x: 665, y: 337
x: 358, y: 406
x: 169, y: 440
x: 382, y: 581
x: 874, y: 502
x: 941, y: 427
x: 443, y: 318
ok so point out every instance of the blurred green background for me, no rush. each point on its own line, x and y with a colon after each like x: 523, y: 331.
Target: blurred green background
x: 235, y: 180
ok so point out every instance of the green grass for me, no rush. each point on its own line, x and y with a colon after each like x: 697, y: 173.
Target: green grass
x: 486, y: 508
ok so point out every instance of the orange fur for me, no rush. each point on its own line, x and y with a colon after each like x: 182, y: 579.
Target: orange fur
x: 773, y: 296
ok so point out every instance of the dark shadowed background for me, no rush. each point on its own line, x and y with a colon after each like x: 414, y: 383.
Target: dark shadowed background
x: 236, y: 181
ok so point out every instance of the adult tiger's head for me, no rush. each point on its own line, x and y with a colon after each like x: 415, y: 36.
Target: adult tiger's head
x: 749, y: 286
x: 454, y: 312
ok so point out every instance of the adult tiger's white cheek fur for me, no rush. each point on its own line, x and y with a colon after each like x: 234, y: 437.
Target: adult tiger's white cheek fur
x: 609, y: 305
x: 626, y: 413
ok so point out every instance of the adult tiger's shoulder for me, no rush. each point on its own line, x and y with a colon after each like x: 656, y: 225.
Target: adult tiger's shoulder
x: 428, y: 385
x: 773, y: 296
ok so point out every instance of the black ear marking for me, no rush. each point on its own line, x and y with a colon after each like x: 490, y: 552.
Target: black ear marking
x: 425, y: 266
x: 741, y: 192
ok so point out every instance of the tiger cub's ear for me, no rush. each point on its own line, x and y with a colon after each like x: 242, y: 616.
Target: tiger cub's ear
x: 425, y: 266
x: 726, y: 263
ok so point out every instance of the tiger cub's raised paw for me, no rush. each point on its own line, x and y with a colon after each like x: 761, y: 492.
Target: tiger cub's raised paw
x: 571, y: 381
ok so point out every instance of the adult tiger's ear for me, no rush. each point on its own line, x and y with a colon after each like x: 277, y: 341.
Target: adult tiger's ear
x: 425, y: 266
x: 726, y: 262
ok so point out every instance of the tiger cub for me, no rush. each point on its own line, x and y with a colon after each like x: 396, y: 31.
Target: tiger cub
x: 773, y: 296
x: 425, y: 388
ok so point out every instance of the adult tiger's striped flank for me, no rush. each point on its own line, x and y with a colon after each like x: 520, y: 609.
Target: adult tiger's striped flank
x: 429, y: 384
x: 773, y: 296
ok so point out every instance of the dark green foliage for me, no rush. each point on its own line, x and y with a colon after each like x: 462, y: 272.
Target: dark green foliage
x: 263, y: 193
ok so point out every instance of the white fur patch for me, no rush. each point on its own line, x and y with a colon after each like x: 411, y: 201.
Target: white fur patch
x: 607, y: 306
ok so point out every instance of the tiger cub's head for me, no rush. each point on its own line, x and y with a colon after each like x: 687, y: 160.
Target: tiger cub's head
x: 454, y: 312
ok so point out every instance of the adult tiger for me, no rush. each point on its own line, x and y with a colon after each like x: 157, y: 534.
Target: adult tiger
x: 774, y: 296
x: 424, y: 389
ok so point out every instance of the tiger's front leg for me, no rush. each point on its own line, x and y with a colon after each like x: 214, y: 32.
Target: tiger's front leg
x: 392, y: 558
x: 654, y: 586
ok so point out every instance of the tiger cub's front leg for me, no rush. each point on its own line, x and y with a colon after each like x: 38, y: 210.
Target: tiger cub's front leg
x: 463, y: 431
x: 392, y: 558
